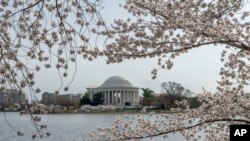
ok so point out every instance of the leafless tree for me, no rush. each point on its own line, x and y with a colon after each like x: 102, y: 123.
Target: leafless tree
x: 173, y: 92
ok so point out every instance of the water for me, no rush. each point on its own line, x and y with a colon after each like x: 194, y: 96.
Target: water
x: 63, y: 127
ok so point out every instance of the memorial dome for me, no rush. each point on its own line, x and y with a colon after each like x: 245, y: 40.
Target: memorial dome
x: 116, y: 81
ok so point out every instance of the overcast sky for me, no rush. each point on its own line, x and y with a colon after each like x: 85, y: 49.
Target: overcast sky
x: 194, y: 70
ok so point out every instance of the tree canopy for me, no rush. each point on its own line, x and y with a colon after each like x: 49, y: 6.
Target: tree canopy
x: 173, y: 92
x: 173, y: 88
x: 85, y: 99
x: 98, y: 98
x: 148, y: 97
x: 147, y: 93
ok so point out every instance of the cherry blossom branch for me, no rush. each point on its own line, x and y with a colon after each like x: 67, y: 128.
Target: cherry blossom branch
x: 26, y: 8
x: 232, y: 43
x: 188, y: 127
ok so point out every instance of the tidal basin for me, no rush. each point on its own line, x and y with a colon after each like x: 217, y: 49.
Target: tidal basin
x: 63, y: 127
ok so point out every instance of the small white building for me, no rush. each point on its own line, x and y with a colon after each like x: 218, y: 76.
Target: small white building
x: 117, y: 90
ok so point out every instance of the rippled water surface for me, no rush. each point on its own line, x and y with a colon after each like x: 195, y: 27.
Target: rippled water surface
x: 64, y: 127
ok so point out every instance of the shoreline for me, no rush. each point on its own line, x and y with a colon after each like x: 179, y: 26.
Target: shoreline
x: 130, y: 111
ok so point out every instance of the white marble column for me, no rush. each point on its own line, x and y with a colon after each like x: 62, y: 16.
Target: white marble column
x: 129, y: 95
x: 122, y: 97
x: 137, y: 97
x: 126, y: 96
x: 134, y: 97
x: 116, y: 98
x: 130, y: 98
x: 113, y: 97
x: 106, y: 97
x: 109, y: 97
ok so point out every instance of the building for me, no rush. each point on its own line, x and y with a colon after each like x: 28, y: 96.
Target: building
x: 63, y: 100
x: 116, y: 90
x: 9, y: 97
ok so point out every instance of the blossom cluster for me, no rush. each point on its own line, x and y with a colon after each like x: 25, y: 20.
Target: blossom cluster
x: 38, y: 34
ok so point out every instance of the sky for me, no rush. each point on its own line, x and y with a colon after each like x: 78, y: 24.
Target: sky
x: 194, y: 70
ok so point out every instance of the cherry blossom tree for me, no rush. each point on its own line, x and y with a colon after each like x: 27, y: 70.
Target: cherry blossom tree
x: 168, y: 28
x: 42, y: 29
x: 44, y: 34
x: 36, y: 33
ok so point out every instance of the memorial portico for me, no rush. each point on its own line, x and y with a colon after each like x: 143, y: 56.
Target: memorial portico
x: 116, y: 91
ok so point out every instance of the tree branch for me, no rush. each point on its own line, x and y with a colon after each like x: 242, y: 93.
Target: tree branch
x: 188, y: 127
x: 28, y: 7
x: 232, y: 43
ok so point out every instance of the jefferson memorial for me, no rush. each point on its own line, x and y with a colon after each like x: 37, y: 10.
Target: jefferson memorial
x: 117, y: 90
